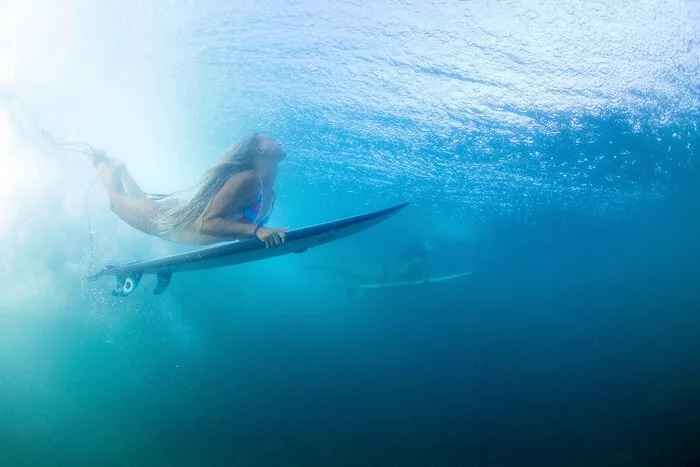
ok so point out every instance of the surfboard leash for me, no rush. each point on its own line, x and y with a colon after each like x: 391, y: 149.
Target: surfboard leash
x: 87, y: 150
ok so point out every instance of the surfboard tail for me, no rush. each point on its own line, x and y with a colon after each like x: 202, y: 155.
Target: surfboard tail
x: 101, y: 273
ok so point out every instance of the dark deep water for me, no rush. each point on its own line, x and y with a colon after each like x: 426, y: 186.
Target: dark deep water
x: 576, y: 344
x: 551, y: 148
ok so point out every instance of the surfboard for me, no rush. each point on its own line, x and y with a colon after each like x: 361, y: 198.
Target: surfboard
x: 297, y: 241
x: 415, y: 283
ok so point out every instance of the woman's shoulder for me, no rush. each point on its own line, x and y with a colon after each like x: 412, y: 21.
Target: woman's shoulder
x: 246, y: 179
x: 241, y: 185
x: 245, y: 176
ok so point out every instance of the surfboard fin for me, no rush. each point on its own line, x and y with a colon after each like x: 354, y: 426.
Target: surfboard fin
x: 163, y: 282
x: 126, y: 284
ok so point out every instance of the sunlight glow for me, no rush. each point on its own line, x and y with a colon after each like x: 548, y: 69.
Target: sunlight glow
x: 7, y: 72
x: 12, y: 175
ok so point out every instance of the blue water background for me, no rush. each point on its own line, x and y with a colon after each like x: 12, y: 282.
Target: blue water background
x: 550, y: 147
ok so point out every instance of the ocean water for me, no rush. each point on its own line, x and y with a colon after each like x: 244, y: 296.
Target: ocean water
x: 549, y: 147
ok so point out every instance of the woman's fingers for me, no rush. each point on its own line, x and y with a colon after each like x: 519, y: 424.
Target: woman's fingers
x: 274, y: 238
x: 270, y: 240
x: 277, y: 237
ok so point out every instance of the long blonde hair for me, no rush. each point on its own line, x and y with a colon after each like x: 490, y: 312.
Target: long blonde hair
x: 238, y: 158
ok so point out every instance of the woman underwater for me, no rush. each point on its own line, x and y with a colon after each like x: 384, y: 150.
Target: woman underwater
x: 234, y: 200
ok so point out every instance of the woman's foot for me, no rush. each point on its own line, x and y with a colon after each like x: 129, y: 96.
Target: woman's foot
x: 117, y: 165
x: 99, y: 156
x: 115, y: 174
x: 128, y: 183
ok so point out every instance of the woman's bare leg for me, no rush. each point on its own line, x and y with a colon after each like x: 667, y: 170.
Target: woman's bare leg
x: 137, y: 211
x: 128, y: 182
